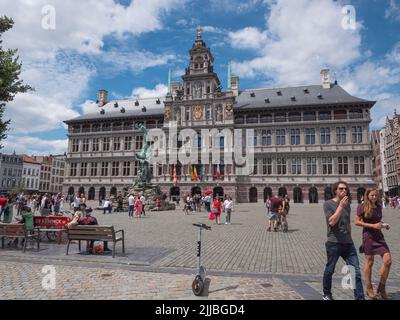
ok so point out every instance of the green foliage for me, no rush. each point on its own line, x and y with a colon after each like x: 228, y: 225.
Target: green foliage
x: 10, y: 83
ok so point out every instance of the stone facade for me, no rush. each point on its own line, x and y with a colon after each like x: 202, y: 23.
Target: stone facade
x: 305, y: 138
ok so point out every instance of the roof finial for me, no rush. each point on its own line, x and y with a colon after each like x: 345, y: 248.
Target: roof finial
x: 199, y: 31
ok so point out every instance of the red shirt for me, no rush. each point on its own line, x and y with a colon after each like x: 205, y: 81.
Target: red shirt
x: 3, y: 202
x: 276, y: 203
x: 217, y: 205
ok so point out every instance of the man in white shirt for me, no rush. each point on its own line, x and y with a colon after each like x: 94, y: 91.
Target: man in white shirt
x: 131, y: 202
x: 107, y: 206
x: 228, y: 204
x: 143, y: 200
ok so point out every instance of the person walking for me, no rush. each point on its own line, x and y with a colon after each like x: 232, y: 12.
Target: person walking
x: 138, y: 207
x: 228, y: 205
x: 216, y: 209
x: 143, y: 199
x: 340, y: 243
x: 369, y: 217
x: 131, y: 203
x: 275, y: 205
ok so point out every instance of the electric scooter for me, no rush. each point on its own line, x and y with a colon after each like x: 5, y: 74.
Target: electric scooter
x: 198, y: 282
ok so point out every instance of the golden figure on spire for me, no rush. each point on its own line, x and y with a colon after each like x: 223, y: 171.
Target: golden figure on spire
x: 199, y: 31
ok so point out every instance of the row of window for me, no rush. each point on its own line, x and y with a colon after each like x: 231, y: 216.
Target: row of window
x: 9, y: 183
x: 294, y: 166
x: 11, y: 159
x: 326, y: 135
x: 30, y: 183
x: 391, y: 181
x: 116, y: 126
x: 390, y: 166
x: 106, y: 144
x: 12, y: 172
x: 93, y: 169
x: 29, y: 172
x: 299, y: 116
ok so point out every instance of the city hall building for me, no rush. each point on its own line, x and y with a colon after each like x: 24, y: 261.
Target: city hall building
x: 305, y: 138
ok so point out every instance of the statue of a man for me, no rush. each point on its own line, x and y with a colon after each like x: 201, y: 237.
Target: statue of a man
x: 143, y: 158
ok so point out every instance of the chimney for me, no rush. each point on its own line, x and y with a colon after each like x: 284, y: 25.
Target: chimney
x: 235, y: 86
x: 326, y: 83
x: 102, y: 97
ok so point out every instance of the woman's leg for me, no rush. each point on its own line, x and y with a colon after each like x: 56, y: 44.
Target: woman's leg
x: 368, y: 264
x: 384, y: 273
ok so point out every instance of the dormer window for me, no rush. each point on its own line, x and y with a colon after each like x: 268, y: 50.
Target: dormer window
x: 306, y: 91
x: 279, y: 93
x: 293, y: 98
x: 253, y: 95
x: 267, y: 100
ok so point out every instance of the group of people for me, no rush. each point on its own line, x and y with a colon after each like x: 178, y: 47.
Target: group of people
x: 277, y: 211
x: 340, y: 243
x: 44, y: 204
x: 136, y: 205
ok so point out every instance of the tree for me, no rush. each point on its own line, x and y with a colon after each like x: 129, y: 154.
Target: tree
x: 10, y: 70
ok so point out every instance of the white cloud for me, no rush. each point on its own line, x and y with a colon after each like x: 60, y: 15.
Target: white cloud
x: 393, y: 11
x: 248, y: 38
x: 383, y: 108
x: 89, y: 106
x: 135, y: 61
x: 160, y: 90
x: 60, y: 63
x: 237, y: 6
x: 301, y: 37
x: 34, y: 146
x: 31, y: 113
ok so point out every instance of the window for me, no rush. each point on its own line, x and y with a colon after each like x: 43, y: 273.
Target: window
x: 281, y: 166
x: 115, y: 168
x: 280, y: 137
x: 93, y: 169
x: 106, y: 144
x: 138, y: 142
x: 136, y: 168
x: 255, y: 137
x: 128, y: 143
x: 280, y: 117
x: 309, y: 116
x: 95, y: 145
x: 326, y: 165
x: 343, y: 164
x: 117, y: 144
x: 312, y: 166
x: 24, y: 171
x: 84, y: 166
x: 295, y: 137
x: 208, y: 113
x: 126, y: 170
x: 341, y: 135
x: 294, y: 116
x: 73, y: 168
x: 75, y: 145
x: 85, y: 145
x: 324, y: 115
x: 267, y: 166
x: 359, y: 165
x: 296, y: 166
x: 325, y: 136
x: 264, y: 137
x: 255, y: 170
x: 104, y: 169
x: 310, y: 135
x: 187, y: 113
x: 356, y: 134
x: 266, y: 118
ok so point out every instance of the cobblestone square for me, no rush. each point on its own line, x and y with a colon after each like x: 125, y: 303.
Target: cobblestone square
x: 243, y: 260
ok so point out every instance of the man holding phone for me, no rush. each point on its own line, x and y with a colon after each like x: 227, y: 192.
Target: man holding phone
x: 340, y: 244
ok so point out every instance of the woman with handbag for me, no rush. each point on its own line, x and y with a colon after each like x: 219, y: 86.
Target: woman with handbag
x: 369, y: 216
x: 216, y: 209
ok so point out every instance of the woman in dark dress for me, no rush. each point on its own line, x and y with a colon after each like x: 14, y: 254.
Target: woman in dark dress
x: 369, y: 216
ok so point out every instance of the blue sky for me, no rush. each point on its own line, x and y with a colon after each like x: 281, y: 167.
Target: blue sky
x: 127, y: 47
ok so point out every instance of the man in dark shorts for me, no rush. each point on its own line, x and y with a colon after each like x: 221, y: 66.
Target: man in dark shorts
x: 340, y: 244
x: 273, y: 213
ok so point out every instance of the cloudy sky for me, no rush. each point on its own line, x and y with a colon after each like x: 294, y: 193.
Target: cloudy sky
x: 71, y: 49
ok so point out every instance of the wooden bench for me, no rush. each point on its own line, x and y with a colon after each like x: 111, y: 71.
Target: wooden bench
x: 53, y: 226
x: 18, y: 230
x: 95, y: 233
